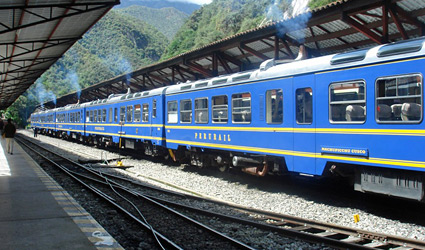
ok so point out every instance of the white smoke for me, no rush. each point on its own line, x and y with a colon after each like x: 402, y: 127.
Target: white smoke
x: 43, y: 95
x: 72, y: 78
x: 293, y: 20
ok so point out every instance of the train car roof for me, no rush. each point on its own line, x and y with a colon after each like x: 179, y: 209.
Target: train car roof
x: 116, y: 98
x: 274, y: 69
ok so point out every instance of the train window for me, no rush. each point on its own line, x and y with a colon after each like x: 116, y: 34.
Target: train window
x: 99, y: 115
x: 87, y: 116
x: 78, y: 116
x: 304, y: 106
x: 115, y: 114
x: 186, y: 111
x: 219, y: 109
x: 241, y: 108
x: 94, y: 115
x: 122, y: 114
x: 172, y: 112
x: 154, y: 109
x: 110, y: 115
x: 145, y: 115
x: 91, y: 115
x: 103, y: 115
x: 201, y: 110
x: 129, y: 113
x: 399, y: 99
x: 137, y: 113
x: 347, y: 102
x: 274, y: 106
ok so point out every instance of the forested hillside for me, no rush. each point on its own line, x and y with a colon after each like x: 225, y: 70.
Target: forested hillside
x: 220, y: 19
x: 115, y: 45
x: 223, y: 18
x: 166, y: 20
x: 182, y: 6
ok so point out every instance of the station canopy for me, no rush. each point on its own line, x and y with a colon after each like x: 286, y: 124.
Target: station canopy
x: 34, y: 34
x: 338, y: 27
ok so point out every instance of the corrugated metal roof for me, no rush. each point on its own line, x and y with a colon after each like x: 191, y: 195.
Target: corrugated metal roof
x: 35, y: 33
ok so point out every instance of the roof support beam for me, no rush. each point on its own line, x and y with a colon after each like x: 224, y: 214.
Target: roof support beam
x: 253, y: 52
x: 199, y: 68
x: 362, y: 29
x: 398, y: 23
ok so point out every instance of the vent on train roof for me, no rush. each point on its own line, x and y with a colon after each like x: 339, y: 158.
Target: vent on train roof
x: 185, y: 87
x: 348, y: 57
x: 130, y: 96
x: 145, y: 93
x: 401, y: 47
x: 219, y: 81
x: 241, y: 77
x: 138, y: 94
x: 201, y: 84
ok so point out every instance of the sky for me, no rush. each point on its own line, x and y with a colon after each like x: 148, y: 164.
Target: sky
x: 200, y: 2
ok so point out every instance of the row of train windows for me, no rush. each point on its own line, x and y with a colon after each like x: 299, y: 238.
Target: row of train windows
x: 398, y: 100
x: 48, y: 118
x: 68, y: 117
x: 241, y: 108
x: 130, y: 113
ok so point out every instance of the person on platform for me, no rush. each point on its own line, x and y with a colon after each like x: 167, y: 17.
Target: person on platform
x: 9, y: 132
x: 35, y: 132
x: 1, y: 126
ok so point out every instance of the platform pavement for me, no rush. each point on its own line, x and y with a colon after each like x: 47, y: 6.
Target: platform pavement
x: 36, y: 213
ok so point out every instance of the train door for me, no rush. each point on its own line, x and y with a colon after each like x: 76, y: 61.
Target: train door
x: 304, y: 125
x: 154, y: 119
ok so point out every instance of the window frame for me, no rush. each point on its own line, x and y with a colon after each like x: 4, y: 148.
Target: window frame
x: 189, y: 111
x: 145, y: 114
x: 217, y: 108
x: 110, y: 115
x: 129, y: 113
x: 123, y: 113
x: 201, y: 110
x: 174, y: 112
x: 137, y: 112
x: 296, y: 107
x: 330, y: 103
x: 233, y: 107
x: 271, y: 107
x: 154, y: 108
x: 421, y: 98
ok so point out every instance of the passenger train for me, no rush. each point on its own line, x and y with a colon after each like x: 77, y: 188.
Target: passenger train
x: 357, y: 114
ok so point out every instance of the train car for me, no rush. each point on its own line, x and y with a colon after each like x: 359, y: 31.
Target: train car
x: 132, y: 120
x: 35, y: 120
x: 357, y: 114
x: 46, y: 122
x: 70, y: 122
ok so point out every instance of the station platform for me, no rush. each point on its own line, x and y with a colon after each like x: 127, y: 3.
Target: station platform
x: 36, y: 213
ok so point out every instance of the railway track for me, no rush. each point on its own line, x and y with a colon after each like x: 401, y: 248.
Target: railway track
x: 285, y: 226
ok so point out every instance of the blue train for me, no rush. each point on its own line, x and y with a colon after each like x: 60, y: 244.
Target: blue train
x: 357, y: 114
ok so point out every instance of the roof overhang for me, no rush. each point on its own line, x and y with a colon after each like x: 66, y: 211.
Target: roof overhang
x: 34, y: 34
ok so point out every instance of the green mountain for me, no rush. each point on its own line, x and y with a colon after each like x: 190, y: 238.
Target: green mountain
x: 224, y: 18
x: 215, y: 21
x: 167, y: 20
x: 117, y: 44
x: 182, y: 6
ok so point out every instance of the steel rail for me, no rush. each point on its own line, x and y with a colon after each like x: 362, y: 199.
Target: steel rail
x: 163, y: 239
x: 234, y: 242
